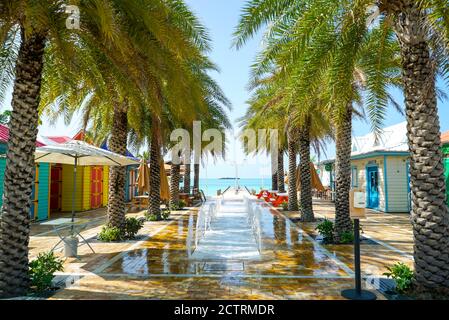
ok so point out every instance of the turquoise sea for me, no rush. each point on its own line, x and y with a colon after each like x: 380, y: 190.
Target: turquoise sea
x: 210, y: 186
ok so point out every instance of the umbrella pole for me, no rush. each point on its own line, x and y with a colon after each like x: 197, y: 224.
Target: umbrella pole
x: 74, y: 190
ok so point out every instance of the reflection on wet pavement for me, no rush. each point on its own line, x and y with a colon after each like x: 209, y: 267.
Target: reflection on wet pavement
x: 229, y: 246
x: 228, y: 236
x: 239, y: 249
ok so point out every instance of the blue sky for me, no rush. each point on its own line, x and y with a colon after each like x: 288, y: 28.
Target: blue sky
x: 221, y: 17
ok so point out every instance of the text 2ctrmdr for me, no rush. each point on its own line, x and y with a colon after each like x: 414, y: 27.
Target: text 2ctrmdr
x: 231, y: 309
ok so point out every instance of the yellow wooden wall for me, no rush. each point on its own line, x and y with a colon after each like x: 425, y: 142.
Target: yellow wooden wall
x: 86, y: 187
x: 67, y: 188
x: 105, y: 185
x: 83, y: 188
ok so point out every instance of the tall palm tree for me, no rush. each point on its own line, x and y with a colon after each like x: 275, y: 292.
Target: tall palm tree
x: 186, y: 178
x: 327, y: 56
x: 417, y: 24
x: 137, y: 26
x: 274, y: 173
x: 421, y: 30
x: 174, y: 184
x: 118, y: 143
x: 23, y: 41
x: 14, y: 227
x: 155, y: 169
x: 292, y: 138
x: 304, y: 171
x: 196, y: 176
x: 280, y: 170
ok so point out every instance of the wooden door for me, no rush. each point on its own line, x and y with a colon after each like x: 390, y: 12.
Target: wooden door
x: 96, y: 192
x: 55, y: 188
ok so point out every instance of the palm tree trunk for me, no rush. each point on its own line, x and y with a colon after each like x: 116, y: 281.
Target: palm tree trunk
x: 18, y: 179
x: 281, y: 183
x: 187, y: 178
x: 155, y: 171
x: 117, y: 144
x: 292, y: 191
x: 174, y: 185
x: 429, y: 214
x: 305, y: 175
x: 196, y: 177
x: 343, y: 142
x: 274, y: 172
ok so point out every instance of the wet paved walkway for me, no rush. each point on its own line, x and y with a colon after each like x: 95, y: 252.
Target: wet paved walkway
x: 229, y: 235
x: 239, y: 250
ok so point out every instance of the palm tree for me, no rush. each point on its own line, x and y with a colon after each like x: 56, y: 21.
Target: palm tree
x: 155, y: 169
x: 266, y: 111
x: 196, y: 176
x: 292, y: 152
x: 417, y: 24
x: 304, y: 171
x: 421, y: 30
x: 23, y: 41
x: 274, y: 173
x: 118, y: 144
x: 174, y: 185
x: 187, y: 174
x: 326, y: 56
x: 270, y: 107
x: 14, y: 227
x: 140, y: 28
x: 280, y: 170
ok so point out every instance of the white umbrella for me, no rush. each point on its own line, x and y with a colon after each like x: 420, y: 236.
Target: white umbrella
x: 80, y: 153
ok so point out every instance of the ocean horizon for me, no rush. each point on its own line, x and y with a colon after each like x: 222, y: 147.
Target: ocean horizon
x: 210, y: 186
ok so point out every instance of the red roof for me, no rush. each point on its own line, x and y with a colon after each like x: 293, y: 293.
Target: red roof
x: 4, y: 136
x: 63, y: 139
x: 59, y: 139
x: 445, y: 137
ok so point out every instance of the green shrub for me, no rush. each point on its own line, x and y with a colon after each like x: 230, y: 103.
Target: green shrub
x: 182, y: 204
x: 347, y: 237
x: 403, y: 276
x: 152, y: 217
x: 110, y: 234
x: 133, y: 225
x: 326, y: 229
x: 165, y: 213
x: 42, y: 270
x: 284, y: 206
x: 178, y: 206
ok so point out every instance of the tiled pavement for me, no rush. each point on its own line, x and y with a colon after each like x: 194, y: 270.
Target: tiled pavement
x: 291, y: 265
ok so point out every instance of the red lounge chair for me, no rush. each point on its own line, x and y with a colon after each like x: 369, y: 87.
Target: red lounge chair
x: 280, y: 198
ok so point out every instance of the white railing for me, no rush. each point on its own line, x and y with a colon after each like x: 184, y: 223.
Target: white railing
x: 206, y: 215
x: 254, y: 213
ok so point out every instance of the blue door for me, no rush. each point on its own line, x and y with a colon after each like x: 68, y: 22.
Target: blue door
x: 372, y: 187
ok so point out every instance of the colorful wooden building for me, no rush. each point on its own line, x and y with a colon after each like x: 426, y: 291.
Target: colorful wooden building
x: 53, y: 187
x: 91, y: 188
x: 380, y: 167
x: 40, y: 193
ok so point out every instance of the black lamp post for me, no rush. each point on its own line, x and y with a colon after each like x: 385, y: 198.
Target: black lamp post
x: 357, y: 293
